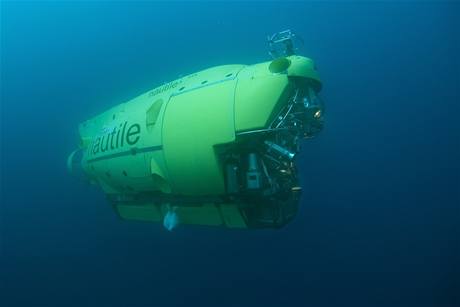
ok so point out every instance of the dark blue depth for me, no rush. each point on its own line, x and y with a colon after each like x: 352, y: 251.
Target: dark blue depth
x: 379, y: 218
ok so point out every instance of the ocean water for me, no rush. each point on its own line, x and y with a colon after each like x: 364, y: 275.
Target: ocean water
x: 379, y: 217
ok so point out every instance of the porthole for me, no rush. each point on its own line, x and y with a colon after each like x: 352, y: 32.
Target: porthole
x: 279, y: 65
x: 228, y: 75
x: 204, y: 82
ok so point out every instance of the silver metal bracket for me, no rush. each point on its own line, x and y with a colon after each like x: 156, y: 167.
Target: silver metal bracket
x: 284, y: 43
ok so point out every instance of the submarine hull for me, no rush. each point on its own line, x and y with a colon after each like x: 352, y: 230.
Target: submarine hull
x: 217, y: 147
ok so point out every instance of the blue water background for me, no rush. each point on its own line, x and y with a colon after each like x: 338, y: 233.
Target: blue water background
x: 379, y: 217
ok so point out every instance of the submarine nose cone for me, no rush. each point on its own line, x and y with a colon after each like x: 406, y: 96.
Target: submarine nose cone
x: 304, y: 67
